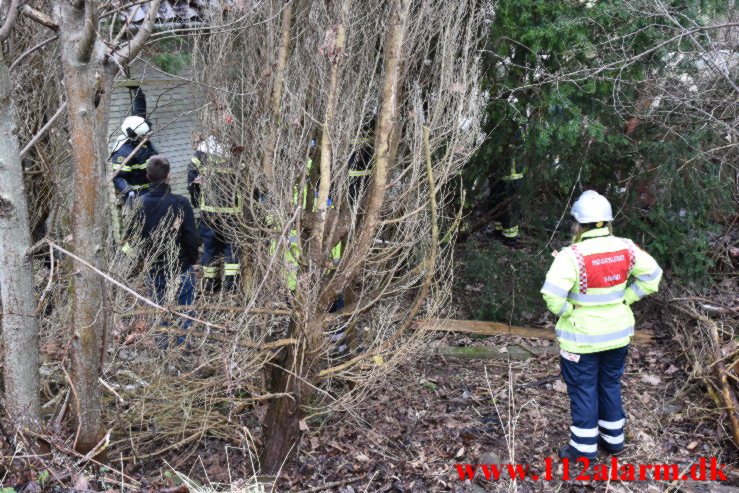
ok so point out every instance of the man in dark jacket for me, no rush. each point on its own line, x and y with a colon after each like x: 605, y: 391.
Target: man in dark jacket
x: 165, y: 219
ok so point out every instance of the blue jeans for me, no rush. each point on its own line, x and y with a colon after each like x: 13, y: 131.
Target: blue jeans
x: 185, y: 297
x: 594, y: 387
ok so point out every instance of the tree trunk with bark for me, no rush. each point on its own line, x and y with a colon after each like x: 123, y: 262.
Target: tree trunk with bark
x: 88, y: 231
x: 19, y: 324
x: 89, y: 69
x: 324, y: 183
x: 282, y: 423
x: 86, y: 131
x: 275, y: 98
x: 384, y: 150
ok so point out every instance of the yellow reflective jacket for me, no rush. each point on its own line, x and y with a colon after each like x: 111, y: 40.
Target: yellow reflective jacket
x: 222, y: 188
x: 587, y: 287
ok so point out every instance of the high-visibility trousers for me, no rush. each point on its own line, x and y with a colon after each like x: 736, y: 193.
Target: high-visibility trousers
x: 594, y: 386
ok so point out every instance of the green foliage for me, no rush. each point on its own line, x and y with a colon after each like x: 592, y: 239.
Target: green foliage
x: 510, y: 281
x: 171, y: 63
x: 678, y: 228
x: 561, y: 131
x: 171, y: 55
x: 570, y: 134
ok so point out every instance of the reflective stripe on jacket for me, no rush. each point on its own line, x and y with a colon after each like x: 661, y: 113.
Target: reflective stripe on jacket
x: 588, y: 287
x: 513, y: 174
x: 213, y: 196
x: 292, y: 256
x: 132, y: 175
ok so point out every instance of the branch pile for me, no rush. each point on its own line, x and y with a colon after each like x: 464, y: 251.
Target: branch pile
x: 707, y: 333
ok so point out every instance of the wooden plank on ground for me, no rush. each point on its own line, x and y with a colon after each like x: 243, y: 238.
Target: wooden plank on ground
x: 641, y: 337
x: 516, y: 352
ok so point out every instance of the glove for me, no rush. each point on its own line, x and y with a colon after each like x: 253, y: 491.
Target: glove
x: 129, y: 201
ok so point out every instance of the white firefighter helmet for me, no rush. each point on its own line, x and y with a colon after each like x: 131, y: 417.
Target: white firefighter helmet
x: 212, y: 147
x: 134, y: 127
x: 592, y: 207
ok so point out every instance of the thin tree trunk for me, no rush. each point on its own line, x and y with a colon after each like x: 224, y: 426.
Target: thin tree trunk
x: 275, y: 99
x: 324, y: 184
x: 19, y: 324
x: 387, y: 119
x: 88, y: 81
x: 282, y: 430
x: 299, y: 371
x: 88, y: 231
x: 281, y: 426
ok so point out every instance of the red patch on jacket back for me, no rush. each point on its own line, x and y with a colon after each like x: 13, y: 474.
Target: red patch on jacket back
x: 607, y: 269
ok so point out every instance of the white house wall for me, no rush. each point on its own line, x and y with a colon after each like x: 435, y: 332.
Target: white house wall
x: 172, y: 108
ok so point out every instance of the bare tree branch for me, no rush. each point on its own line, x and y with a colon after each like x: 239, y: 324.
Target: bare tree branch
x: 40, y: 17
x: 335, y: 55
x: 158, y: 306
x: 276, y: 95
x: 89, y: 34
x: 129, y: 51
x: 700, y: 48
x: 9, y: 20
x: 43, y: 130
x: 386, y: 121
x: 31, y: 50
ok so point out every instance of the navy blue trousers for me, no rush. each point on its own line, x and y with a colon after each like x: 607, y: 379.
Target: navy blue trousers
x: 594, y: 387
x: 507, y: 219
x: 215, y: 246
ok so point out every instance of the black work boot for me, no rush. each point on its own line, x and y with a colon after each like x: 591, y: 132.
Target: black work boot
x: 605, y: 448
x: 512, y: 243
x: 566, y: 452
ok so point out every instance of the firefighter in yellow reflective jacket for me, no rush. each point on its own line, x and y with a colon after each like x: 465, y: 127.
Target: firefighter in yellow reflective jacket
x: 292, y: 253
x: 213, y: 182
x: 505, y: 193
x: 590, y: 286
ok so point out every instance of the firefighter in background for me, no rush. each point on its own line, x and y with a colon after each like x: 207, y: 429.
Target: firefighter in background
x: 505, y: 193
x: 212, y: 180
x: 292, y: 250
x: 292, y: 253
x: 130, y: 180
x: 588, y: 287
x: 359, y: 170
x: 359, y: 173
x: 360, y: 167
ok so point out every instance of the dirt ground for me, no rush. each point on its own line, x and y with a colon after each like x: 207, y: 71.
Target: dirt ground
x: 436, y: 413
